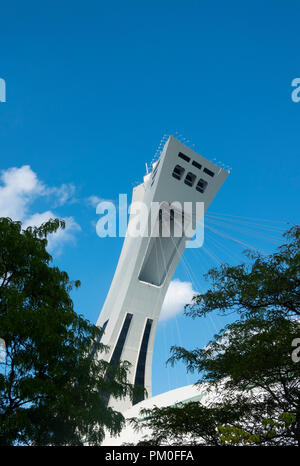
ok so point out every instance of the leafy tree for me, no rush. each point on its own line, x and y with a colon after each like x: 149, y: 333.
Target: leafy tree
x: 53, y: 388
x: 189, y: 423
x: 269, y: 286
x: 248, y: 366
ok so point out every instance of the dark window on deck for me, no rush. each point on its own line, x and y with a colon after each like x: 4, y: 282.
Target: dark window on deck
x: 178, y: 172
x: 184, y: 157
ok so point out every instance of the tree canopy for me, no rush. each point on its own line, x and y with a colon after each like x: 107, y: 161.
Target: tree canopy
x: 268, y: 286
x: 53, y: 384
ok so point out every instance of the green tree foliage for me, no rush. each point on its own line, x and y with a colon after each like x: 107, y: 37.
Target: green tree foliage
x: 268, y: 287
x: 188, y: 423
x: 248, y: 363
x: 53, y: 387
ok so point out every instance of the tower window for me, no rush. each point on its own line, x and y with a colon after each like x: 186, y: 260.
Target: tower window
x: 196, y: 164
x: 141, y: 365
x: 184, y: 157
x: 116, y: 356
x: 190, y: 179
x: 178, y: 172
x: 201, y: 185
x: 208, y: 172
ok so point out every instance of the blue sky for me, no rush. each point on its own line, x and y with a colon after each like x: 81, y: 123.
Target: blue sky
x: 91, y: 89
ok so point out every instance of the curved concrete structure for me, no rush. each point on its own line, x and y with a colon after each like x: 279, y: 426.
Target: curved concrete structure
x: 147, y: 263
x: 179, y: 395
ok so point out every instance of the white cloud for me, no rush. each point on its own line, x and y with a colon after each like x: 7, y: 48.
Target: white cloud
x: 20, y: 187
x: 93, y: 200
x: 63, y: 193
x: 178, y: 295
x: 58, y: 239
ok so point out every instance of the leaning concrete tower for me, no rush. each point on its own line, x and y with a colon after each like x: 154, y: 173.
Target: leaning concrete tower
x: 147, y: 262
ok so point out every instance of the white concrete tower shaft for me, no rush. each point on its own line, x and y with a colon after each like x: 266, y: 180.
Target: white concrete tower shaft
x: 147, y: 263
